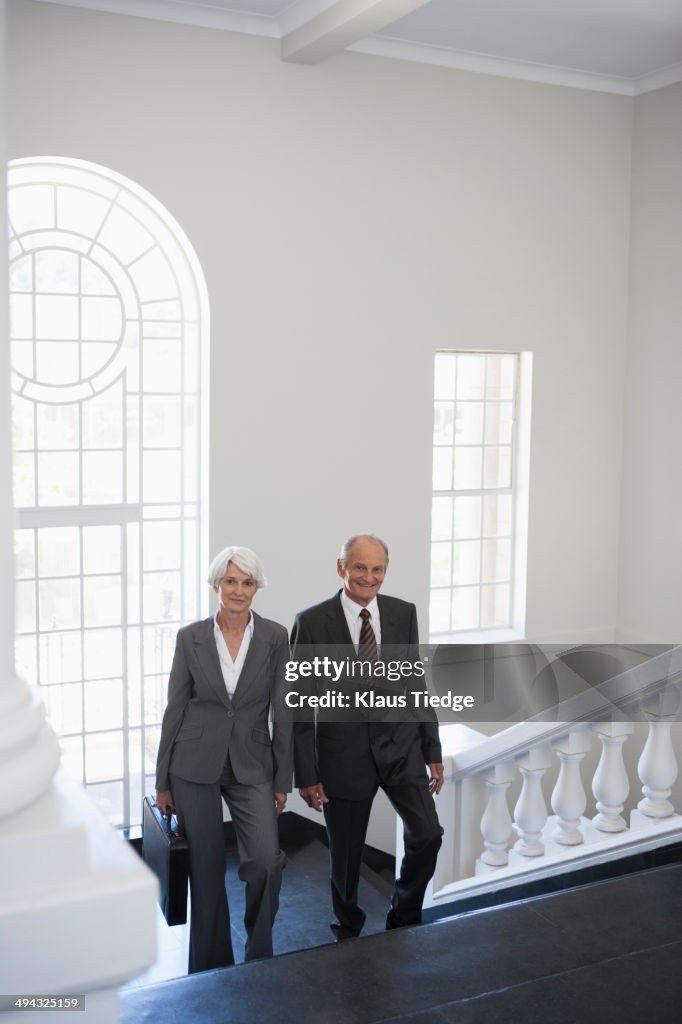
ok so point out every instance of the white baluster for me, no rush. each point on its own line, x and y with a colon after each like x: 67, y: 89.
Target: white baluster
x: 568, y: 798
x: 496, y: 823
x: 611, y: 784
x: 530, y: 813
x: 657, y: 769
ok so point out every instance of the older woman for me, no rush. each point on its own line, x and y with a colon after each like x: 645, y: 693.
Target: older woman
x: 215, y: 741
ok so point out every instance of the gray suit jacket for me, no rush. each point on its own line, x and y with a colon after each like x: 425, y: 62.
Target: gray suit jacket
x: 201, y: 723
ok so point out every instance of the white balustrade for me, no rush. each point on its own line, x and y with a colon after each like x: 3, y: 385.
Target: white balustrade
x: 496, y: 823
x: 657, y: 769
x: 611, y: 785
x: 530, y: 812
x: 568, y: 798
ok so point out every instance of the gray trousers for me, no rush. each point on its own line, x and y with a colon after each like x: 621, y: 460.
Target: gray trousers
x: 199, y: 810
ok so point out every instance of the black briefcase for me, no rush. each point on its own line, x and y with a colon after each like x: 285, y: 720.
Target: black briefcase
x: 165, y: 850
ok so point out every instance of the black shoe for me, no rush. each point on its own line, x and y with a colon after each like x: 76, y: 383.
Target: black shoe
x: 393, y: 922
x: 341, y: 932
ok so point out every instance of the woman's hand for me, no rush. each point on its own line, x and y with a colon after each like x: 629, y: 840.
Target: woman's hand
x: 280, y: 802
x: 164, y: 800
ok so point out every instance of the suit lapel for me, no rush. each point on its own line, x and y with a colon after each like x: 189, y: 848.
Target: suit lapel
x: 337, y: 624
x: 256, y: 656
x: 207, y: 656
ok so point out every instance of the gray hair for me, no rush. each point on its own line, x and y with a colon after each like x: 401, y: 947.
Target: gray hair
x: 244, y: 558
x: 345, y: 550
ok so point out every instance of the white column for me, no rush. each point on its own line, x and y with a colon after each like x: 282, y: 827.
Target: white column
x: 568, y: 799
x: 657, y: 769
x: 611, y: 785
x: 530, y: 813
x: 496, y: 823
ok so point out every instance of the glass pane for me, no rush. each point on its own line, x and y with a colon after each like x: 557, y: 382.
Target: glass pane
x: 496, y: 560
x: 467, y: 469
x: 497, y: 510
x: 498, y: 423
x: 442, y: 469
x: 60, y: 657
x: 469, y: 423
x: 441, y: 518
x: 497, y: 471
x: 57, y: 362
x: 101, y: 549
x: 495, y: 609
x: 134, y: 595
x: 58, y: 551
x: 56, y: 271
x: 465, y: 608
x: 124, y: 236
x: 57, y: 426
x: 80, y: 211
x: 31, y: 207
x: 444, y: 377
x: 72, y: 756
x: 102, y: 653
x: 155, y: 691
x: 102, y: 478
x: 443, y: 422
x: 21, y: 316
x: 161, y: 476
x: 103, y: 756
x: 159, y: 647
x: 153, y: 278
x: 441, y: 565
x: 161, y: 598
x: 467, y: 517
x: 24, y: 482
x: 21, y: 274
x: 25, y: 606
x: 102, y: 601
x: 22, y: 423
x: 103, y: 419
x: 501, y: 375
x: 58, y: 476
x: 26, y: 658
x: 162, y: 420
x: 56, y: 317
x: 64, y: 707
x: 59, y: 604
x: 24, y: 554
x: 101, y: 319
x: 466, y: 566
x: 439, y: 611
x: 161, y: 365
x: 22, y: 358
x: 470, y: 376
x: 104, y: 704
x: 151, y: 747
x: 161, y: 547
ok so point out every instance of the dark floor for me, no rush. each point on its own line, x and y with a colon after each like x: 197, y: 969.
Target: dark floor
x: 607, y: 952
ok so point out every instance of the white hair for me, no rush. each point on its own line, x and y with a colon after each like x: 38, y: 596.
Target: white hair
x: 244, y: 558
x: 345, y: 550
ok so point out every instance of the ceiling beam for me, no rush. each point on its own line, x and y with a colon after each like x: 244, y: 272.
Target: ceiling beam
x: 340, y: 25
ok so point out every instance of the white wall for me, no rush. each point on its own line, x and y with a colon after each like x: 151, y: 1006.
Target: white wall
x: 350, y: 219
x: 650, y: 593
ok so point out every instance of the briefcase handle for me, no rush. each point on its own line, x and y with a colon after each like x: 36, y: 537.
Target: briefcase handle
x: 168, y: 816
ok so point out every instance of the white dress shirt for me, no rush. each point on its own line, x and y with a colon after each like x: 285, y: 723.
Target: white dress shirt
x: 352, y: 612
x: 232, y: 669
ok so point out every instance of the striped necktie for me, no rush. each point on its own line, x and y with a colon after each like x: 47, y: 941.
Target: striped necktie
x: 367, y: 647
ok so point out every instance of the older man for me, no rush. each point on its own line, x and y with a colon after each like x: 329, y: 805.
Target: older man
x: 341, y: 765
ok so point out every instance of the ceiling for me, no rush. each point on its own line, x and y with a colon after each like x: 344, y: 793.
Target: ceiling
x: 622, y: 46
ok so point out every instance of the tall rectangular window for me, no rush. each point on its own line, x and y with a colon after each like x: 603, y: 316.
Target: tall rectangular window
x: 475, y: 482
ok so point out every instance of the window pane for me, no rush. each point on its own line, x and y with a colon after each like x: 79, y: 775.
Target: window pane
x: 72, y: 756
x: 501, y: 375
x: 102, y: 478
x: 469, y: 423
x: 104, y: 704
x: 497, y: 472
x: 162, y: 420
x: 108, y: 798
x: 443, y: 422
x: 101, y: 549
x: 25, y: 606
x: 498, y: 423
x: 441, y: 565
x: 467, y: 469
x: 161, y: 477
x: 56, y: 271
x: 60, y: 657
x: 466, y: 561
x: 470, y: 376
x: 104, y: 756
x: 24, y: 554
x: 64, y: 704
x: 161, y: 599
x: 57, y: 426
x: 102, y: 601
x: 442, y: 469
x: 58, y: 551
x: 495, y: 606
x: 444, y: 384
x: 441, y: 518
x: 496, y: 560
x: 102, y: 655
x: 465, y: 608
x: 467, y: 517
x: 497, y: 511
x: 22, y: 423
x: 439, y: 611
x: 59, y: 603
x: 56, y: 317
x: 58, y: 477
x: 161, y: 545
x: 24, y: 481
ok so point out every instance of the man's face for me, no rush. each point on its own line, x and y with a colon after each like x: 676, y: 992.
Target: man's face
x: 364, y: 572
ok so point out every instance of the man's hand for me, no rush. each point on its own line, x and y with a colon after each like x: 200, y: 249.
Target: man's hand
x: 164, y: 800
x: 314, y: 796
x: 280, y: 802
x: 437, y: 779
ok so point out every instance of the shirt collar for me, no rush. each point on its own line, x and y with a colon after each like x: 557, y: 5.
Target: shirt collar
x: 353, y: 608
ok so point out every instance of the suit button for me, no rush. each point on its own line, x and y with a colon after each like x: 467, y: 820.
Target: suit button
x: 229, y: 712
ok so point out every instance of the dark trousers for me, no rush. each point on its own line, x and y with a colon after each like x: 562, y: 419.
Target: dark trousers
x: 199, y: 810
x: 347, y: 822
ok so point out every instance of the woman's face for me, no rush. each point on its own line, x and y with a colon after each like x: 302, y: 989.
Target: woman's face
x: 235, y: 590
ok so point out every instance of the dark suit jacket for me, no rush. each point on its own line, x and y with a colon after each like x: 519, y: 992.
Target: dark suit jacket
x: 346, y: 756
x: 201, y: 722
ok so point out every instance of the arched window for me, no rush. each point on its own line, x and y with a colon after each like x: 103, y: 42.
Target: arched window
x: 109, y: 322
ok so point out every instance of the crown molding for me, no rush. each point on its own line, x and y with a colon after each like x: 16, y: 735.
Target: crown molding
x: 657, y: 79
x: 461, y: 60
x: 182, y: 12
